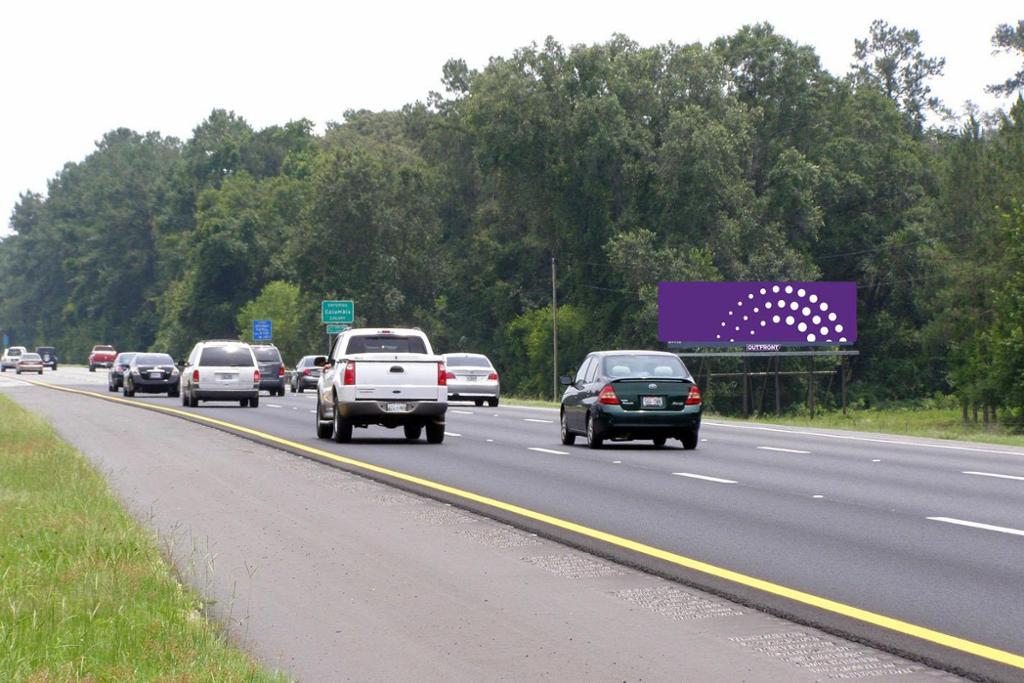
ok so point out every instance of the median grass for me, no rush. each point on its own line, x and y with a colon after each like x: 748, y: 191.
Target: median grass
x: 84, y: 591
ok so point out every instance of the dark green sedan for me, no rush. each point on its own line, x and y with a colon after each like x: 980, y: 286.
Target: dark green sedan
x: 629, y: 395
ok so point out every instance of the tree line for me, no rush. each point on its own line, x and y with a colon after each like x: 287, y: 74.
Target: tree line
x: 742, y: 159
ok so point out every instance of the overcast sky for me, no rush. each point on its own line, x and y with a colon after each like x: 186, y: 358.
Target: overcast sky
x: 70, y: 71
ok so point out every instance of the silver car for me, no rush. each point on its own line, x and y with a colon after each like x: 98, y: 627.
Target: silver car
x: 472, y: 377
x: 220, y: 370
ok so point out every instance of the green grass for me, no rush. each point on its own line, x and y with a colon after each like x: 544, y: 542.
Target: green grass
x: 933, y: 422
x: 84, y: 592
x: 529, y: 402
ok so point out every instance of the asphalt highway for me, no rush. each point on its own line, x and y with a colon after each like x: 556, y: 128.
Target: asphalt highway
x: 927, y: 532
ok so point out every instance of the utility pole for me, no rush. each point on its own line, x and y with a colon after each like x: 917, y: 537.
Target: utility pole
x: 554, y: 332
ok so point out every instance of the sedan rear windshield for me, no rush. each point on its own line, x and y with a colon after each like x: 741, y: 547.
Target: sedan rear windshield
x: 124, y: 358
x: 153, y: 359
x: 103, y: 348
x: 644, y: 366
x: 388, y: 343
x: 30, y: 356
x: 267, y: 354
x: 468, y: 362
x: 235, y: 357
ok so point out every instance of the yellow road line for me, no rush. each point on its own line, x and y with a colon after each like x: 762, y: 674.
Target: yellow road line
x: 873, y: 618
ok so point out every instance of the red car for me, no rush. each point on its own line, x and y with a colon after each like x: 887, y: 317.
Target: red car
x: 102, y: 356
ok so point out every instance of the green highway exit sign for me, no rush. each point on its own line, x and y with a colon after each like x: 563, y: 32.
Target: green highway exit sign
x: 343, y: 311
x: 337, y: 328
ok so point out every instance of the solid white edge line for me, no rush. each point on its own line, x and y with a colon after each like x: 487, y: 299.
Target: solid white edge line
x: 704, y: 478
x: 451, y: 434
x: 547, y: 450
x: 533, y: 419
x: 463, y: 412
x: 781, y: 450
x: 979, y: 525
x: 994, y: 476
x: 862, y: 438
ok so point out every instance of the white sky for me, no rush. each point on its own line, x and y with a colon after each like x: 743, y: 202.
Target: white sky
x: 72, y: 70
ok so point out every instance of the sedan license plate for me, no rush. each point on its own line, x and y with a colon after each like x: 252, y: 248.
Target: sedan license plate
x: 652, y: 402
x: 156, y: 375
x: 395, y: 407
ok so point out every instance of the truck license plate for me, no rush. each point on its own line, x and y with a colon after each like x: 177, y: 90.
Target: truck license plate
x: 396, y: 407
x: 653, y: 402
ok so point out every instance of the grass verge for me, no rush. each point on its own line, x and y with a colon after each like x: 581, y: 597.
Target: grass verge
x: 84, y: 592
x: 935, y: 423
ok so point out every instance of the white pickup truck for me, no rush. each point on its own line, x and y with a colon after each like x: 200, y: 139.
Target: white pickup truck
x: 388, y: 377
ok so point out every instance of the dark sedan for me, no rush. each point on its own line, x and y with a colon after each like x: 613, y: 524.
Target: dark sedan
x: 151, y: 373
x: 305, y: 375
x: 629, y: 395
x: 115, y: 375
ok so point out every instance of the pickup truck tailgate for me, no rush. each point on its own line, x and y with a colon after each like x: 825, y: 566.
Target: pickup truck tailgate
x: 396, y: 379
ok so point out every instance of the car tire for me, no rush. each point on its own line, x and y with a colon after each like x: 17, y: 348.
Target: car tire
x: 301, y: 389
x: 435, y: 432
x: 492, y: 402
x: 92, y: 368
x: 323, y: 429
x: 568, y: 438
x: 479, y: 402
x: 243, y: 403
x: 254, y: 402
x: 173, y: 393
x: 659, y: 441
x: 17, y: 372
x: 413, y: 431
x: 40, y: 372
x: 341, y: 429
x: 689, y: 439
x: 127, y: 391
x: 184, y: 399
x: 193, y: 400
x: 55, y: 368
x: 594, y: 440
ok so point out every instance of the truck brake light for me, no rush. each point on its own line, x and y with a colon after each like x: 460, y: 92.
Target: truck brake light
x: 255, y: 376
x: 195, y: 375
x: 350, y: 373
x: 442, y: 375
x: 280, y: 371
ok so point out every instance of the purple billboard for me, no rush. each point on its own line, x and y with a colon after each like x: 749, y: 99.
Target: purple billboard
x: 757, y: 313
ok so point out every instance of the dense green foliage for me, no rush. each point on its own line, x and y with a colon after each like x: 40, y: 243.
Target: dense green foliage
x: 741, y: 159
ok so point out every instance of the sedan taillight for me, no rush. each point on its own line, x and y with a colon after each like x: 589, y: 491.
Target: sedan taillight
x: 449, y: 374
x: 607, y: 396
x: 306, y: 372
x: 693, y: 399
x: 493, y: 376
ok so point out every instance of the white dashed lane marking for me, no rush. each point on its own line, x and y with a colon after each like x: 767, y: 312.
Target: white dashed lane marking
x: 463, y: 412
x: 979, y: 525
x: 704, y: 478
x: 533, y: 419
x: 995, y: 476
x: 548, y: 450
x: 782, y: 450
x: 451, y: 434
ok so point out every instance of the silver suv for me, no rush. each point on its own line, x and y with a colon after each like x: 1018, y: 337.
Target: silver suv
x: 220, y: 370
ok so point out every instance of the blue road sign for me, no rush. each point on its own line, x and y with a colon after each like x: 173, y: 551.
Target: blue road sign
x: 262, y: 330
